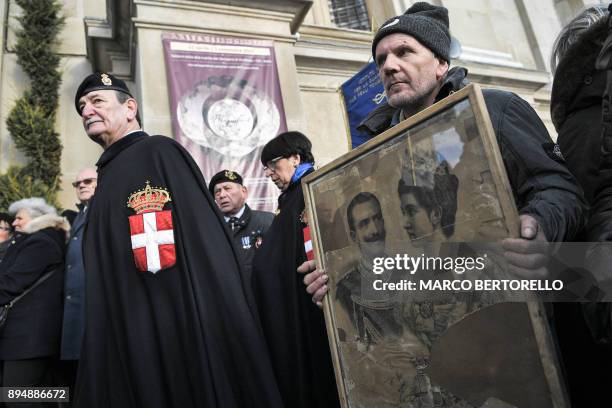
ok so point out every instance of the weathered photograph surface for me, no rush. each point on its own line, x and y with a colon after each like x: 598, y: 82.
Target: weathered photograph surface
x: 431, y: 190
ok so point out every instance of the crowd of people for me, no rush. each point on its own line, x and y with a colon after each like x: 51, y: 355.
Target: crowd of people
x: 165, y: 291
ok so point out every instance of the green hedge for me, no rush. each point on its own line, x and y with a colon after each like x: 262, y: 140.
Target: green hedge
x: 31, y: 122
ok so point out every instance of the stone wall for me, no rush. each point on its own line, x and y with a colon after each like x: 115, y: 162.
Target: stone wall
x: 505, y: 44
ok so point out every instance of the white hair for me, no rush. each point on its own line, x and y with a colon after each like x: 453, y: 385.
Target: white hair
x: 35, y: 206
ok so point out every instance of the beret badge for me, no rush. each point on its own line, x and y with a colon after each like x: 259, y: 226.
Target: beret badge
x: 106, y: 80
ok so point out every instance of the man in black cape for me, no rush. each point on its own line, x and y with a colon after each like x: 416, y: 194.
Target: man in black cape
x: 169, y: 321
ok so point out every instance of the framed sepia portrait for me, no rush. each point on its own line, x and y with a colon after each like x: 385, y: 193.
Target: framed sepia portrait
x: 430, y: 188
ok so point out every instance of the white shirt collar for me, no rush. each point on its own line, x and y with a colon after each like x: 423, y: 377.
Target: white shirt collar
x: 237, y: 215
x: 137, y: 130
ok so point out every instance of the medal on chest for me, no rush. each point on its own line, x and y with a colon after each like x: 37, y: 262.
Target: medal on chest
x: 246, y: 242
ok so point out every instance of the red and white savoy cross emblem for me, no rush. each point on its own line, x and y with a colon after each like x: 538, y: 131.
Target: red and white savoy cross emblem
x: 308, y: 244
x: 153, y: 240
x: 151, y: 230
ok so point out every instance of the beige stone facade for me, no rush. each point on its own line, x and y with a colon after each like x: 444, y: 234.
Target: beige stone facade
x: 505, y: 44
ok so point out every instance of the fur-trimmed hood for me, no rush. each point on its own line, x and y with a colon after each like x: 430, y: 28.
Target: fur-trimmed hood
x: 576, y: 69
x: 48, y: 221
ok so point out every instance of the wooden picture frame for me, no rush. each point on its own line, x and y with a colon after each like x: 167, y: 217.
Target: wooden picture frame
x: 438, y: 180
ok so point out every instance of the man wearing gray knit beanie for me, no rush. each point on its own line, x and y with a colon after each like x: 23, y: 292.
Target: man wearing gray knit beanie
x: 426, y: 23
x: 412, y: 52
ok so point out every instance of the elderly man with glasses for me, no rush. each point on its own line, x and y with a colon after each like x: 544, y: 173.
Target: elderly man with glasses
x: 73, y: 327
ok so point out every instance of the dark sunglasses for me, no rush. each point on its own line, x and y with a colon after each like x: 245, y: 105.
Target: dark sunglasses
x: 86, y: 181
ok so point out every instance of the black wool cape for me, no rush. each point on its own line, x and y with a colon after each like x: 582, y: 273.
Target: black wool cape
x: 186, y: 336
x: 294, y: 326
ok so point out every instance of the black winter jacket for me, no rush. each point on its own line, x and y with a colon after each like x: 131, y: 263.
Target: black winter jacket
x: 576, y: 113
x: 34, y: 324
x: 576, y: 110
x: 247, y: 235
x: 542, y: 185
x: 293, y: 326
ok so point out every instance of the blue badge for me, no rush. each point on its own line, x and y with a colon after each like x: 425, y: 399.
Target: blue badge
x: 246, y: 242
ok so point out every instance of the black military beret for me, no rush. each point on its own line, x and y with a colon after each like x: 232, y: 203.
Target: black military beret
x: 286, y: 144
x: 222, y: 177
x: 98, y: 81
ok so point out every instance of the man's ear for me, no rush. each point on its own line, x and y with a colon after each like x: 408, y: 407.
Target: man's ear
x: 132, y: 106
x: 435, y: 216
x: 245, y: 192
x: 441, y: 69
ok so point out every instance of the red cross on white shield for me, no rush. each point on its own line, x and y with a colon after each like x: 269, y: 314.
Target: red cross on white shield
x: 153, y: 240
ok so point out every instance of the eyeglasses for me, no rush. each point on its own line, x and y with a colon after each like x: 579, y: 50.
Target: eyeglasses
x: 271, y: 165
x: 86, y: 181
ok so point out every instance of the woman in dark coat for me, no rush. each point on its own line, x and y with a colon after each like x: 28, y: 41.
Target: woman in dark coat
x: 31, y: 334
x: 293, y: 326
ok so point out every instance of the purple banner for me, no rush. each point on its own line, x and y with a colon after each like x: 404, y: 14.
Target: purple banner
x: 226, y: 104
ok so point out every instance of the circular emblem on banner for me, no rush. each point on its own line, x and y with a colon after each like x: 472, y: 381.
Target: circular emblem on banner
x: 228, y: 115
x: 230, y: 119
